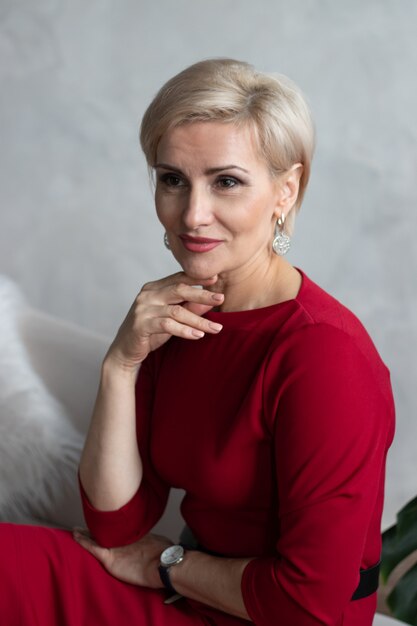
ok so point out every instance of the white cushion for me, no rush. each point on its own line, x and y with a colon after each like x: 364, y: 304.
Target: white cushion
x: 39, y: 445
x: 49, y: 373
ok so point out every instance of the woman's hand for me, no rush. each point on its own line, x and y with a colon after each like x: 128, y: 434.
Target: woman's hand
x: 211, y: 580
x: 136, y: 563
x: 168, y: 307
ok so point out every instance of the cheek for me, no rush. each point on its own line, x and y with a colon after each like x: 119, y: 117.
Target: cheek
x: 165, y: 208
x: 258, y: 218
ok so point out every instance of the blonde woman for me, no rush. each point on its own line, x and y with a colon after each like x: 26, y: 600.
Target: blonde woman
x: 258, y: 394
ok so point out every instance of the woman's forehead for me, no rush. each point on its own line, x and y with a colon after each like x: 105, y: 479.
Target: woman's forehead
x: 212, y: 144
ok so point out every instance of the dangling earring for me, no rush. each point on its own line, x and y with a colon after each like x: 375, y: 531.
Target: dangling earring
x: 282, y: 242
x: 166, y: 242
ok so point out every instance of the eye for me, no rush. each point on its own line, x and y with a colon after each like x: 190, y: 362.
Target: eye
x: 227, y: 182
x: 171, y: 180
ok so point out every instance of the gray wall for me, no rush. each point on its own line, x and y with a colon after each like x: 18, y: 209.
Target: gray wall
x: 77, y: 227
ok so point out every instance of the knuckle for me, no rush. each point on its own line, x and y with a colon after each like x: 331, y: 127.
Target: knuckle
x: 179, y: 288
x: 167, y: 324
x: 176, y: 310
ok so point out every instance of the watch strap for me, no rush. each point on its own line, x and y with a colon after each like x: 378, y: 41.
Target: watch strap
x: 165, y: 578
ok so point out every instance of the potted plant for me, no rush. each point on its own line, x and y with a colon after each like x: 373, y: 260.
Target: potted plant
x: 399, y: 546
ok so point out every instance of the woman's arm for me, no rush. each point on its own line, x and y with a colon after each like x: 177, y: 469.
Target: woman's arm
x: 111, y: 467
x: 334, y: 424
x: 211, y: 580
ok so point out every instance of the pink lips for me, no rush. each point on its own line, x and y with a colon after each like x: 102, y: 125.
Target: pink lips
x: 199, y: 244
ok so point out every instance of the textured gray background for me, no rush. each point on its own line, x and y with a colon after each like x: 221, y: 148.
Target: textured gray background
x: 77, y: 228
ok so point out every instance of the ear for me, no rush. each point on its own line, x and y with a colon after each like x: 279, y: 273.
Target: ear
x: 288, y: 186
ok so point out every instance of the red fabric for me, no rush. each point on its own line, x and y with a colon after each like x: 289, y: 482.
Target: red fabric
x: 47, y: 579
x: 277, y: 429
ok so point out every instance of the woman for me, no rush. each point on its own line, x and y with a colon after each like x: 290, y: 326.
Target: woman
x: 259, y: 394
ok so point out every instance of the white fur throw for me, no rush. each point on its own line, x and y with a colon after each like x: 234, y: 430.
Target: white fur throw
x: 39, y: 447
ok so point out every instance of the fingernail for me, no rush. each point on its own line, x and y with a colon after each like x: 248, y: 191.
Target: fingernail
x: 218, y: 297
x: 198, y: 333
x: 216, y: 327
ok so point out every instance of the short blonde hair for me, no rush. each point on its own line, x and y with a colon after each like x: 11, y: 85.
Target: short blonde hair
x: 234, y: 92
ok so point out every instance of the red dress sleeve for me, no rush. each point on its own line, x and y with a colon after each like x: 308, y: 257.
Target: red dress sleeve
x: 138, y: 516
x: 333, y: 425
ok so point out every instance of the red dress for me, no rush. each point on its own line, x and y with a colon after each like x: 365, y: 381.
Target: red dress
x: 277, y: 429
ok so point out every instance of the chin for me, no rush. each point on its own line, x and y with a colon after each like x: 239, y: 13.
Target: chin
x: 200, y: 268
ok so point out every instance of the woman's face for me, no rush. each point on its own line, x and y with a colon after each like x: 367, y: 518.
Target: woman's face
x: 216, y: 198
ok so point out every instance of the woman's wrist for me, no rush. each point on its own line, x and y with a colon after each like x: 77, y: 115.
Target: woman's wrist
x: 114, y: 367
x: 214, y: 581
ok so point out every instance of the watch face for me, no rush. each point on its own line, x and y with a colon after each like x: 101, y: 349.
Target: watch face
x: 172, y: 555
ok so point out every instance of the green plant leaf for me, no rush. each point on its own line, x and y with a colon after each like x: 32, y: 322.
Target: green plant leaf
x: 403, y: 598
x: 389, y: 552
x: 407, y: 517
x: 399, y: 540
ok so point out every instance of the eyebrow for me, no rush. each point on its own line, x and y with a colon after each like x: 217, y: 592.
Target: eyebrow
x: 211, y: 170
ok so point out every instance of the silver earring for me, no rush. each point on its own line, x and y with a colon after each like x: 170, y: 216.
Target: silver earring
x: 282, y: 242
x: 166, y: 242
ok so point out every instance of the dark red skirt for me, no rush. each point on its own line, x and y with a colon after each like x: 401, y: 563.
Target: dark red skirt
x: 47, y: 579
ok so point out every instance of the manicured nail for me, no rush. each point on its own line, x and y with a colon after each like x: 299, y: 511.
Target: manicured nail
x: 216, y: 327
x: 198, y: 333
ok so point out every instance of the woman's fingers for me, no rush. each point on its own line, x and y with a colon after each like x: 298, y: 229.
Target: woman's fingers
x: 84, y: 540
x: 171, y: 306
x: 191, y: 319
x: 175, y: 308
x: 180, y: 292
x: 175, y: 279
x: 175, y: 319
x: 198, y: 309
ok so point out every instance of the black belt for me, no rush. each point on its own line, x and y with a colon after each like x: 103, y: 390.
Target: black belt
x: 368, y: 581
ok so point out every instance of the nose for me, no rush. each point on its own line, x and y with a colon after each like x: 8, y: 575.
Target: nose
x: 198, y: 209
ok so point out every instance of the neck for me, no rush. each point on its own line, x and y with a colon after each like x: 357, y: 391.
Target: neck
x: 264, y: 284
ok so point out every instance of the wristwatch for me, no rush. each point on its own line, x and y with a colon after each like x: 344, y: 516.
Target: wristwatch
x: 170, y: 556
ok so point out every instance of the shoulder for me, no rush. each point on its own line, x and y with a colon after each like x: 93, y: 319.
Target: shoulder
x: 322, y: 382
x: 319, y: 307
x: 325, y: 325
x: 325, y: 347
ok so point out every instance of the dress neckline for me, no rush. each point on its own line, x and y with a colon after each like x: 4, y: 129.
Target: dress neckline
x: 260, y: 312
